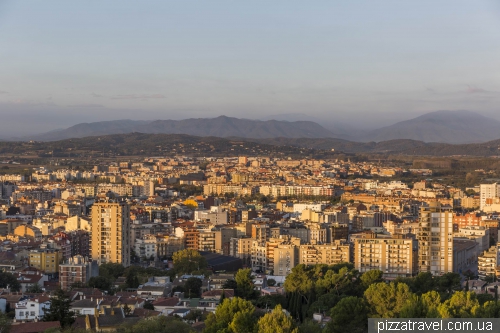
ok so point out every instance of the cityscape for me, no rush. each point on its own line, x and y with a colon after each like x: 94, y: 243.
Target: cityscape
x: 249, y: 167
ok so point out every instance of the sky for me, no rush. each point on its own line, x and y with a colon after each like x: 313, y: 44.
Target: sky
x: 365, y: 63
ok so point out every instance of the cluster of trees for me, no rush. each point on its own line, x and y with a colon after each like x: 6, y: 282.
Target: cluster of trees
x: 110, y: 272
x: 237, y: 315
x: 8, y: 279
x: 185, y: 262
x: 350, y: 298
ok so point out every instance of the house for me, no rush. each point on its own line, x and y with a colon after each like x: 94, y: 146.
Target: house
x: 34, y: 327
x: 110, y: 320
x: 32, y: 309
x: 217, y: 293
x: 181, y: 312
x: 166, y: 305
x: 30, y: 276
x: 85, y: 306
x: 156, y: 287
x: 132, y: 302
x: 144, y: 313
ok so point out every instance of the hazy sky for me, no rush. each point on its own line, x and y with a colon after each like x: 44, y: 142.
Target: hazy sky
x: 366, y: 62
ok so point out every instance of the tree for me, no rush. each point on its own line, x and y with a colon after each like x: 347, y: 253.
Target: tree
x: 8, y: 279
x: 160, y: 324
x: 244, y: 282
x: 234, y: 315
x: 230, y: 284
x: 111, y: 270
x: 271, y: 282
x: 4, y: 323
x: 349, y: 315
x: 59, y: 310
x: 449, y: 283
x: 188, y: 261
x: 270, y: 301
x: 462, y: 304
x: 34, y: 288
x: 100, y: 282
x: 387, y: 300
x: 370, y: 277
x: 193, y: 287
x: 148, y: 305
x: 127, y: 309
x: 132, y: 281
x: 276, y: 322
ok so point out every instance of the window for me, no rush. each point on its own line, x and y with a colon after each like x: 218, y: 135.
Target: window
x: 21, y: 313
x: 32, y: 305
x: 32, y: 313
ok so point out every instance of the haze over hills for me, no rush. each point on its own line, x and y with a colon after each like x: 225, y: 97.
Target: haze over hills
x: 221, y: 127
x: 440, y: 126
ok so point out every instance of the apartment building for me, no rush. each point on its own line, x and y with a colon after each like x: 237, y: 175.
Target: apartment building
x: 286, y: 257
x: 78, y: 269
x: 395, y: 256
x: 488, y: 263
x: 330, y: 254
x: 111, y: 232
x: 46, y: 260
x: 435, y: 240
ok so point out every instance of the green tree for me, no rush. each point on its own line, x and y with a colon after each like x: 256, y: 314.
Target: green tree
x: 244, y: 282
x: 230, y: 284
x: 310, y: 326
x: 59, y: 310
x: 188, y: 261
x: 192, y: 287
x: 100, y: 282
x: 448, y: 283
x: 234, y: 315
x: 111, y: 270
x: 462, y: 304
x: 349, y: 315
x: 8, y: 279
x: 387, y: 300
x: 127, y: 310
x: 271, y: 282
x: 4, y: 323
x: 148, y: 305
x: 160, y: 324
x: 270, y: 301
x: 370, y: 277
x: 34, y: 288
x: 276, y: 322
x: 132, y: 280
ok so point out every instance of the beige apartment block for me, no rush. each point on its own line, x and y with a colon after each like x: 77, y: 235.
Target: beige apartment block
x: 435, y: 240
x: 111, y: 232
x: 394, y: 256
x: 286, y: 257
x: 329, y: 254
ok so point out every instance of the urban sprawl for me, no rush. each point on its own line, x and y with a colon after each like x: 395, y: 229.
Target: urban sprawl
x: 175, y: 237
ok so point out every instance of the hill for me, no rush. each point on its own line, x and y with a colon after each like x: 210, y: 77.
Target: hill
x: 440, y: 126
x: 221, y: 127
x: 180, y: 144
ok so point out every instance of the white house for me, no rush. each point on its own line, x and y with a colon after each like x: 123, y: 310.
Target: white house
x: 32, y: 309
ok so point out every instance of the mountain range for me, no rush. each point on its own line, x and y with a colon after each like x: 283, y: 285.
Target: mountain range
x: 455, y: 127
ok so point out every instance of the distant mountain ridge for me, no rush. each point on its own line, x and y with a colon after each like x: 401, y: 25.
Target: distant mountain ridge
x: 441, y: 126
x: 220, y: 127
x: 455, y: 127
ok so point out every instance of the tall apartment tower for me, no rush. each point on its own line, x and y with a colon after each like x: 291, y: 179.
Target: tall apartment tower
x: 435, y: 240
x: 111, y: 232
x: 488, y: 191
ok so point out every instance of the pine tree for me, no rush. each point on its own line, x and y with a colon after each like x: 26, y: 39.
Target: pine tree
x: 60, y: 309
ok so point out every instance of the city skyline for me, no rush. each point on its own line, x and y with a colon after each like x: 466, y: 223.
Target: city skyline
x: 359, y: 63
